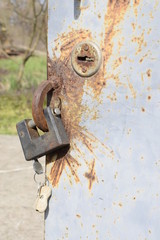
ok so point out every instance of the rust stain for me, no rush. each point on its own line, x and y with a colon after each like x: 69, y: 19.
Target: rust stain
x: 91, y: 175
x: 72, y: 164
x: 136, y: 2
x: 56, y: 171
x: 149, y: 31
x: 133, y: 92
x: 143, y: 109
x: 99, y: 216
x: 114, y: 15
x: 149, y: 73
x: 142, y: 77
x: 149, y: 97
x: 140, y: 42
x: 112, y: 97
x: 116, y: 10
x: 58, y: 167
x: 129, y: 131
x: 145, y: 56
x: 99, y: 15
x: 120, y: 205
x: 116, y: 175
x: 71, y: 91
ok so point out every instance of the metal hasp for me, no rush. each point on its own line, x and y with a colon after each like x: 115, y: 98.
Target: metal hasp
x: 86, y: 58
x: 34, y: 145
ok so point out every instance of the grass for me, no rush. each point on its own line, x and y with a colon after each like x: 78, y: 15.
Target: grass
x: 35, y: 71
x: 16, y: 105
x: 13, y: 109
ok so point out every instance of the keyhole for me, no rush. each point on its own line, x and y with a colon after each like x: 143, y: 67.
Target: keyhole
x: 85, y: 59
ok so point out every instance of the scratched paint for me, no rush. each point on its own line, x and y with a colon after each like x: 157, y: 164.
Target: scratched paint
x: 107, y: 184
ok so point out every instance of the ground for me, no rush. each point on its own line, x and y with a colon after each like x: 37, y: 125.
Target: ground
x: 18, y: 219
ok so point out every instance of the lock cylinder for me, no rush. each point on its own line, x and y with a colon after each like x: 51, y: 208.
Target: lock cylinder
x: 86, y: 58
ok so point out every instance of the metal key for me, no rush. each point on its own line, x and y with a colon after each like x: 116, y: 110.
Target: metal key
x: 42, y: 200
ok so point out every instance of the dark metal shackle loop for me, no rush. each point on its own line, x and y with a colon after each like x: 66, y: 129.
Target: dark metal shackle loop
x: 37, y: 103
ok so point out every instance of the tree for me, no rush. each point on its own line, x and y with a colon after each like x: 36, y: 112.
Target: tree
x: 32, y: 14
x: 3, y: 26
x: 3, y: 33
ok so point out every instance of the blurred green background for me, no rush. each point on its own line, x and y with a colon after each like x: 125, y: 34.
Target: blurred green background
x: 23, y: 61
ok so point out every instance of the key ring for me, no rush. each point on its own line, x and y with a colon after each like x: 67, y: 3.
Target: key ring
x: 39, y: 183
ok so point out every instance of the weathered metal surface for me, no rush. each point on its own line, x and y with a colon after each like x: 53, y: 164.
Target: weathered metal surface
x: 35, y: 146
x: 86, y: 59
x: 106, y: 187
x: 38, y: 103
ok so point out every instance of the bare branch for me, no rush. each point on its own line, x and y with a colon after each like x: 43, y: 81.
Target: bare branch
x: 38, y: 24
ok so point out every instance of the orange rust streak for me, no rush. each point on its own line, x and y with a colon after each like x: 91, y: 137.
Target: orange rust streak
x: 56, y: 171
x: 133, y: 92
x: 77, y: 149
x: 59, y: 166
x: 92, y: 138
x: 72, y: 168
x: 84, y: 135
x: 115, y: 13
x: 91, y: 175
x: 149, y: 73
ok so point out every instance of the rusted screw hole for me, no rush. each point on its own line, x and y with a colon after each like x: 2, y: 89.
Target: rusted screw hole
x: 85, y: 47
x: 84, y: 70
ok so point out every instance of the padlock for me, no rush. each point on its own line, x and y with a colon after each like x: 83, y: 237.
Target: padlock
x: 34, y: 145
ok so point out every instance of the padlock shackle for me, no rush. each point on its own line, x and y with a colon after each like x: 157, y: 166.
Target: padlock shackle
x: 38, y: 101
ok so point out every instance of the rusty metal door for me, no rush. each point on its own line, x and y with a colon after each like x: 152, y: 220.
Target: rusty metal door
x: 107, y: 185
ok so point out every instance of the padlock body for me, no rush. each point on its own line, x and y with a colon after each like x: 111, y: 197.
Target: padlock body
x: 35, y: 146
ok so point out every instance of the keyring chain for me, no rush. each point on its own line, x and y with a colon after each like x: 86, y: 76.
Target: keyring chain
x: 39, y: 183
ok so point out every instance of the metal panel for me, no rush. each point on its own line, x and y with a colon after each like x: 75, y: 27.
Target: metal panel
x: 107, y: 186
